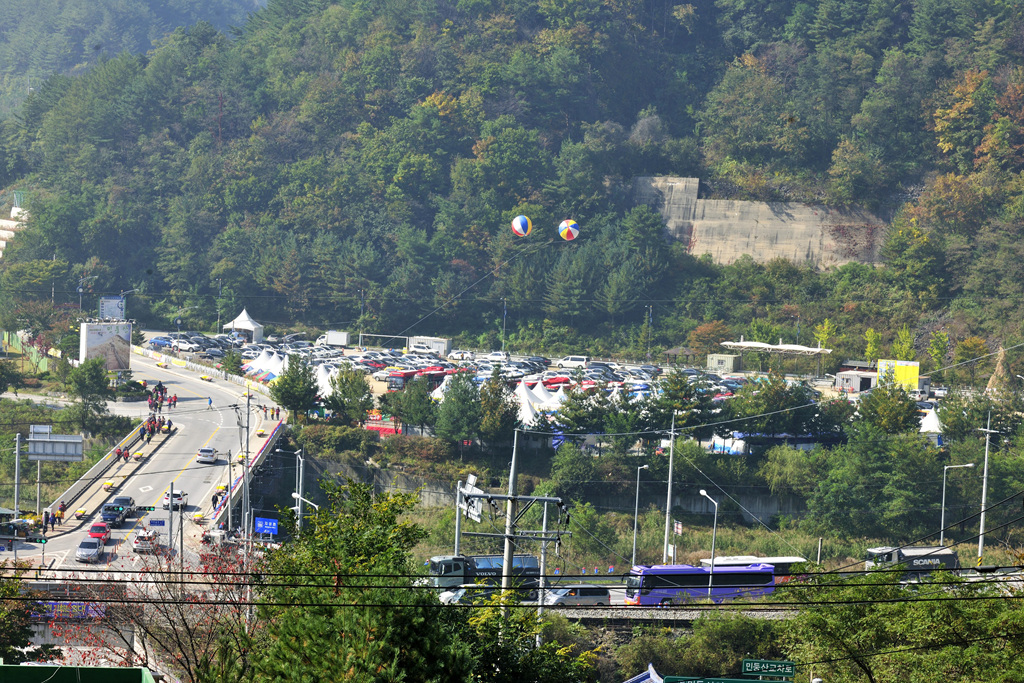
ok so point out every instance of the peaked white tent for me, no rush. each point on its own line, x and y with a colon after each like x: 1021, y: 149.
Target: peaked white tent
x: 244, y: 321
x: 323, y: 380
x: 526, y: 413
x: 438, y: 394
x: 931, y: 427
x: 524, y: 395
x: 541, y: 393
x: 559, y: 397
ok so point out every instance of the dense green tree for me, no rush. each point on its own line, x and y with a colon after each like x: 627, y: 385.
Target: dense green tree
x: 350, y: 397
x: 459, y: 416
x: 888, y: 407
x: 296, y: 388
x: 499, y: 410
x: 353, y: 552
x: 414, y: 405
x: 16, y: 607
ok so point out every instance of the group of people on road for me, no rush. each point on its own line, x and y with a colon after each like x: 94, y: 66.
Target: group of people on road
x: 158, y: 397
x: 54, y: 518
x: 274, y: 413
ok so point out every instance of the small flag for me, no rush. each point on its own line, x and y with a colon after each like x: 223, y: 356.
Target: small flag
x: 678, y: 526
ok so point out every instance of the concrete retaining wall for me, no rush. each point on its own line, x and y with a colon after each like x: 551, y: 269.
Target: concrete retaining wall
x: 728, y: 229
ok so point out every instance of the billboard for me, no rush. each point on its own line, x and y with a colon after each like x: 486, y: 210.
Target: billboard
x: 905, y: 372
x: 110, y: 341
x: 112, y: 307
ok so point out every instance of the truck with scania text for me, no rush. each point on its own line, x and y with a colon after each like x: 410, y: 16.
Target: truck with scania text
x: 918, y: 562
x: 455, y: 570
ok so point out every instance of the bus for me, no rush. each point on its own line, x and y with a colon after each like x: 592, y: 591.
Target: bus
x: 783, y: 564
x: 673, y: 584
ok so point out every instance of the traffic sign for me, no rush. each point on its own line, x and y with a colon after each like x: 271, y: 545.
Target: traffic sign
x: 157, y: 522
x: 768, y: 667
x: 265, y: 525
x: 691, y: 679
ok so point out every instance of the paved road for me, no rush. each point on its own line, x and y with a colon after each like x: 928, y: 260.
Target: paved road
x: 168, y: 459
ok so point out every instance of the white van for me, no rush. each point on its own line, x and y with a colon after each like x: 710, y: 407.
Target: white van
x: 583, y: 594
x: 573, y: 362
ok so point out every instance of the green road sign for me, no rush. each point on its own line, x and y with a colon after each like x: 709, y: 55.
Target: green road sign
x: 691, y: 679
x: 768, y: 667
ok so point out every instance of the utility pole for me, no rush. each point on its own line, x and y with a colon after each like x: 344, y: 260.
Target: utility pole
x: 17, y: 474
x: 668, y: 501
x: 984, y: 488
x: 511, y: 511
x: 504, y: 315
x: 458, y: 517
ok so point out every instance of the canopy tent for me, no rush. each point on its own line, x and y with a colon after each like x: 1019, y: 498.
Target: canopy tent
x: 323, y: 380
x: 244, y: 321
x: 524, y: 395
x: 541, y: 393
x: 527, y: 414
x: 931, y: 427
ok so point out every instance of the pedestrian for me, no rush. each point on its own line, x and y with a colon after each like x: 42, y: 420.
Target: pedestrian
x: 126, y: 455
x: 149, y: 437
x: 61, y: 508
x: 46, y: 519
x: 209, y: 403
x: 117, y: 454
x: 174, y: 400
x: 214, y: 501
x: 169, y: 426
x: 53, y: 522
x: 264, y: 412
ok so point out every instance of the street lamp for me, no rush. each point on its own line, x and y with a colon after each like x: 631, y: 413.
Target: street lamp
x: 303, y: 500
x: 636, y: 508
x: 714, y: 533
x: 300, y: 481
x: 942, y: 524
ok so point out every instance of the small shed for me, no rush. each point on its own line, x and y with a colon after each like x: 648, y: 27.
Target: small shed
x: 855, y: 381
x: 245, y: 323
x: 680, y: 354
x: 725, y: 362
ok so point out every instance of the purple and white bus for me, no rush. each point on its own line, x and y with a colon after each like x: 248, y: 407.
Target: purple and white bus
x: 673, y: 584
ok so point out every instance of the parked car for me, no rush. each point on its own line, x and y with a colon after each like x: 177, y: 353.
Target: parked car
x: 574, y: 362
x: 499, y: 356
x: 584, y: 594
x: 161, y: 342
x: 180, y: 499
x: 90, y: 550
x: 215, y: 352
x: 101, y: 531
x: 460, y: 354
x: 207, y: 455
x: 420, y: 347
x: 183, y: 346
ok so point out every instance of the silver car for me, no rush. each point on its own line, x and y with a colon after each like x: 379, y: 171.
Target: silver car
x: 89, y: 550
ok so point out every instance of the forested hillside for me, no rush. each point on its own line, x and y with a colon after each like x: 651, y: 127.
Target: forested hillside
x: 40, y: 39
x: 343, y: 158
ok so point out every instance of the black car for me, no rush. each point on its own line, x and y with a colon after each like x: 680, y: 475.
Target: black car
x: 538, y: 359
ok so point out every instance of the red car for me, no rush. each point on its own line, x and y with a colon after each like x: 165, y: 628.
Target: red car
x: 101, y: 531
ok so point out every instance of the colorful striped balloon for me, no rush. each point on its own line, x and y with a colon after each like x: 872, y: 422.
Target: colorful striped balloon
x: 568, y: 229
x: 521, y: 225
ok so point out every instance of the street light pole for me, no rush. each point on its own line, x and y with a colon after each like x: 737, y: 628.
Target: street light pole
x: 942, y: 523
x: 300, y: 481
x: 668, y: 501
x: 636, y: 509
x: 984, y: 488
x: 714, y: 533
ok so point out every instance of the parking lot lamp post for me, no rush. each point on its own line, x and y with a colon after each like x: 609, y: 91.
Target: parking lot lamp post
x: 636, y: 509
x: 714, y: 533
x: 300, y: 481
x: 942, y: 524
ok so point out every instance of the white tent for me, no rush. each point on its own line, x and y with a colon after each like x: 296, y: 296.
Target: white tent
x: 541, y: 393
x: 559, y: 396
x: 524, y: 395
x: 526, y: 413
x: 244, y: 321
x: 323, y: 380
x: 932, y: 427
x: 438, y: 394
x: 259, y: 363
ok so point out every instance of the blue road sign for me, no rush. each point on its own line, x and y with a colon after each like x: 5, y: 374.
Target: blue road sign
x: 157, y: 522
x: 265, y: 525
